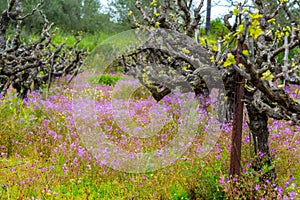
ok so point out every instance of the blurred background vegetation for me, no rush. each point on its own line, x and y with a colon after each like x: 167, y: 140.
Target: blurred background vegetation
x: 87, y: 18
x: 97, y: 21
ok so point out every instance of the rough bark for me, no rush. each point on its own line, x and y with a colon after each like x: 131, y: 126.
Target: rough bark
x: 258, y: 124
x: 4, y: 22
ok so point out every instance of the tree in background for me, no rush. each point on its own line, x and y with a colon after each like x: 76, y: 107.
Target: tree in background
x: 71, y: 15
x: 90, y: 16
x: 208, y: 16
x: 62, y: 13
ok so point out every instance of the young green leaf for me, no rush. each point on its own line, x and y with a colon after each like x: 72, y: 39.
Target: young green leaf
x: 267, y: 76
x: 230, y: 60
x: 246, y: 53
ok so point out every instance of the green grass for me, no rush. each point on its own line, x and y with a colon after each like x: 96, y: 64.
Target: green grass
x: 105, y: 79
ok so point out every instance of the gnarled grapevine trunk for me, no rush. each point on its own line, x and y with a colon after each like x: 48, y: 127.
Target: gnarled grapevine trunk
x: 259, y: 129
x: 4, y: 21
x: 29, y: 66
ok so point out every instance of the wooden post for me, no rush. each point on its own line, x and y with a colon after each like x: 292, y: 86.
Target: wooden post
x: 236, y: 139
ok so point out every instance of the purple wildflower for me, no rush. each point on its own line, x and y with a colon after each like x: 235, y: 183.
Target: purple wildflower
x: 257, y: 187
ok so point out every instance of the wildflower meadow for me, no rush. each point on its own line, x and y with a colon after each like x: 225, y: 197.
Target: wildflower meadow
x: 45, y: 155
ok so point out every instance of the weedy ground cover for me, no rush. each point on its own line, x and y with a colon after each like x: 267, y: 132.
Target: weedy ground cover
x: 42, y: 155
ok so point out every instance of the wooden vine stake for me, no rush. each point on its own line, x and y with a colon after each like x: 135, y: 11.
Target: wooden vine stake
x: 236, y: 139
